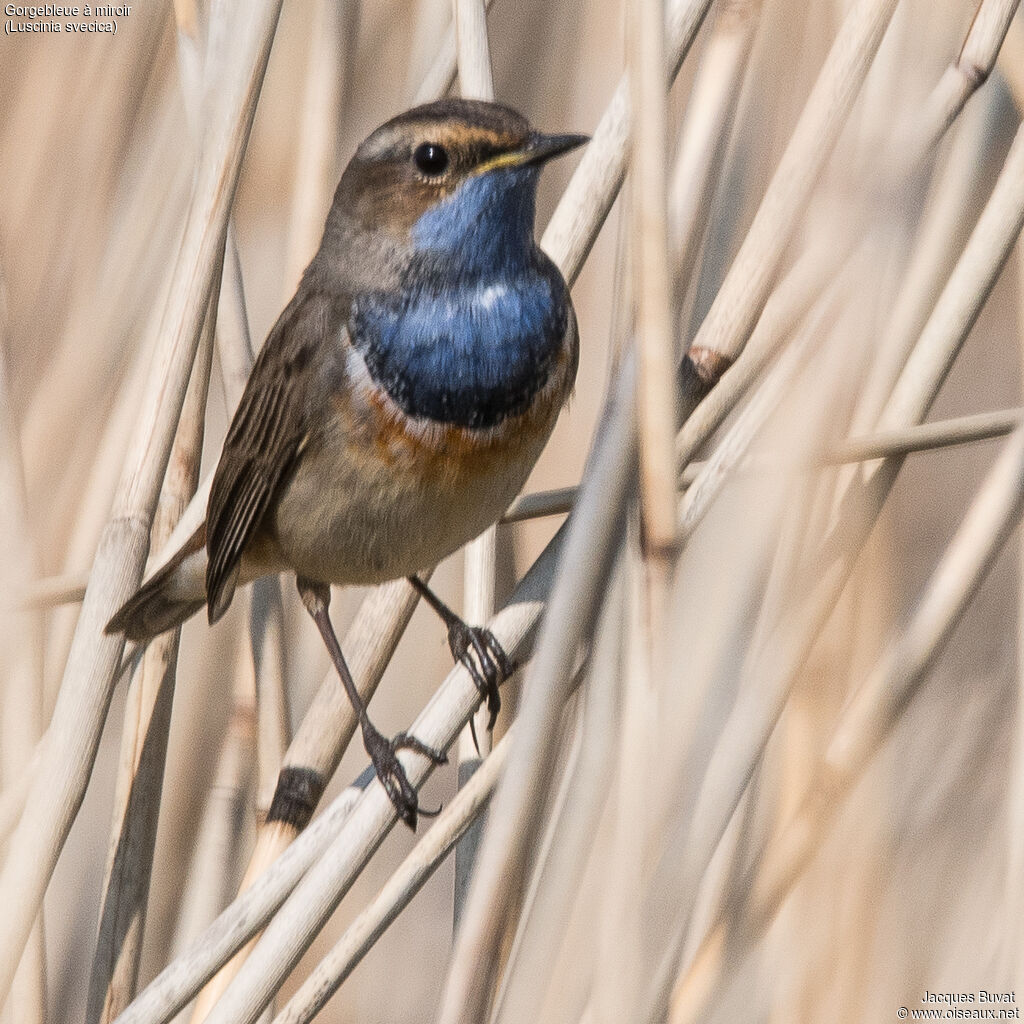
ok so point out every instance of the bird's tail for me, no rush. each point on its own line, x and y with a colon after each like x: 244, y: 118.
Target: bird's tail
x: 173, y: 594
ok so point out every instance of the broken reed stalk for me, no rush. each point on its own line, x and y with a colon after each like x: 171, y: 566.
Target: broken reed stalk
x: 749, y: 424
x: 78, y: 717
x: 868, y: 720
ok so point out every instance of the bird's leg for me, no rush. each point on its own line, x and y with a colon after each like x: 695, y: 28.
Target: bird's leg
x: 491, y: 667
x: 383, y: 753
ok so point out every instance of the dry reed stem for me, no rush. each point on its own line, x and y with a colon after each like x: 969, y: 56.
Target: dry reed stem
x: 81, y: 707
x: 785, y: 308
x: 968, y: 71
x: 266, y: 629
x: 330, y: 62
x: 742, y: 741
x: 578, y: 217
x: 704, y: 136
x: 21, y: 662
x: 656, y: 397
x: 181, y: 979
x: 479, y: 570
x: 144, y: 738
x: 473, y: 50
x: 555, y: 502
x: 572, y: 828
x: 147, y: 717
x: 593, y: 535
x: 742, y: 296
x: 925, y: 437
x: 961, y: 300
x: 476, y: 81
x: 317, y: 746
x: 735, y: 444
x: 865, y: 724
x: 216, y: 854
x: 398, y: 891
x: 946, y: 218
x: 558, y: 796
x: 656, y: 416
x: 442, y: 73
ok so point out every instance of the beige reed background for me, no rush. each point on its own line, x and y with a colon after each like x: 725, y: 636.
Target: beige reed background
x: 768, y: 765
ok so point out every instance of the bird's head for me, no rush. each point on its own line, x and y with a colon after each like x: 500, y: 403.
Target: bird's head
x: 455, y: 179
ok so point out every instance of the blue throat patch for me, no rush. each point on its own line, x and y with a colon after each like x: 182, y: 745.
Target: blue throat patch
x: 472, y: 335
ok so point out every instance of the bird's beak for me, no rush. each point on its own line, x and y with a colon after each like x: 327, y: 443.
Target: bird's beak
x: 542, y: 148
x: 537, y: 150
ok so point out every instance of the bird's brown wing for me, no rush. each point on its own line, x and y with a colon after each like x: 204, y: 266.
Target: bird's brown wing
x: 263, y: 442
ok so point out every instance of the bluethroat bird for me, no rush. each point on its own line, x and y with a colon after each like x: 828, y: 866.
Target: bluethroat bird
x: 400, y: 400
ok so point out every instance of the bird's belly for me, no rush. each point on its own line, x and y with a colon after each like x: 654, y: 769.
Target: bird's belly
x: 400, y: 497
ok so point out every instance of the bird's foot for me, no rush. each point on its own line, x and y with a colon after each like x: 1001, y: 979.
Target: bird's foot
x: 490, y: 667
x: 391, y: 772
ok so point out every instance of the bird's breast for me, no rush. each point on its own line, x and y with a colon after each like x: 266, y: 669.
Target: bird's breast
x: 464, y: 353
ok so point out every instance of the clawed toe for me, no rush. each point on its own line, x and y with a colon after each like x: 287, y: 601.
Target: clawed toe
x: 392, y: 775
x: 477, y: 648
x: 403, y: 741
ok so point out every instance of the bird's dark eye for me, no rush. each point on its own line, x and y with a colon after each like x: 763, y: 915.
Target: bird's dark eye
x: 430, y: 158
